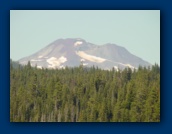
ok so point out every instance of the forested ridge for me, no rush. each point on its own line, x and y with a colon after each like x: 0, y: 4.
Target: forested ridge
x: 84, y: 94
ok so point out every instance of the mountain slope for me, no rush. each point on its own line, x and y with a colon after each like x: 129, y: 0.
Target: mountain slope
x: 72, y: 52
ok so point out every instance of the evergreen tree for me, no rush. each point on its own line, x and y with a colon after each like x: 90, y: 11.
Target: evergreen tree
x: 84, y: 94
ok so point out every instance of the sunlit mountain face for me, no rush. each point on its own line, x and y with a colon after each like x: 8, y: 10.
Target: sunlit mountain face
x: 74, y: 52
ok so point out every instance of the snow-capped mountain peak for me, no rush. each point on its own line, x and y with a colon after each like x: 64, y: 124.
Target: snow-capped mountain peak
x: 72, y: 51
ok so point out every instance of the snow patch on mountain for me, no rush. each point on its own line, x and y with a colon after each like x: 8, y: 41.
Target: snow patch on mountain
x: 130, y: 66
x: 82, y: 59
x: 116, y: 68
x: 40, y: 56
x: 62, y: 59
x: 35, y: 60
x: 40, y: 67
x: 126, y: 65
x: 90, y: 57
x: 61, y: 66
x: 84, y: 64
x: 55, y: 63
x: 78, y: 43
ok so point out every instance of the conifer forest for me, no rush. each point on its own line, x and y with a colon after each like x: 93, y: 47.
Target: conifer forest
x: 82, y: 94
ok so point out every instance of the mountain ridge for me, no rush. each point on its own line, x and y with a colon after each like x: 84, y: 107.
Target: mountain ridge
x: 74, y: 51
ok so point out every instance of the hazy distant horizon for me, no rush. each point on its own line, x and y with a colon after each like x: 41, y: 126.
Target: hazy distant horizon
x: 136, y: 30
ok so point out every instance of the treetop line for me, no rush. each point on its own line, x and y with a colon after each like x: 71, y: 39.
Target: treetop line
x: 84, y: 95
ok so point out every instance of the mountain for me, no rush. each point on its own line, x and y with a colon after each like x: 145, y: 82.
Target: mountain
x: 73, y: 52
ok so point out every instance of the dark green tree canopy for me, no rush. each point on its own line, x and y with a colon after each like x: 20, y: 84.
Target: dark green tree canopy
x: 84, y: 94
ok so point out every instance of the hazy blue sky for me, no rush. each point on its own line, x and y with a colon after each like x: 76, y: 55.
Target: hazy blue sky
x: 136, y: 30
